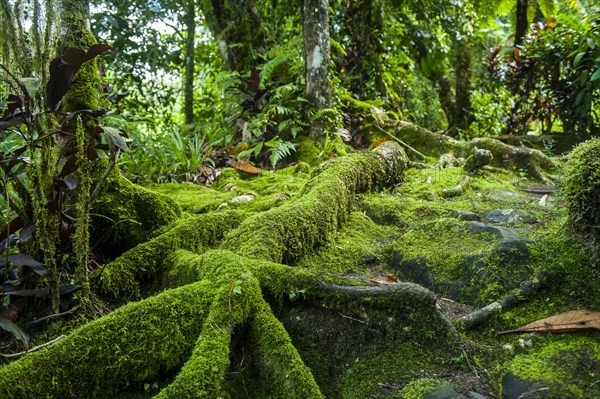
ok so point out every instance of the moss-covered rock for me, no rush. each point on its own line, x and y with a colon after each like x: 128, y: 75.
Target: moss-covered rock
x: 580, y: 189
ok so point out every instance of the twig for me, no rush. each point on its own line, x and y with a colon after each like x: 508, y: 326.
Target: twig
x: 351, y: 318
x: 35, y: 348
x: 401, y: 142
x: 51, y: 316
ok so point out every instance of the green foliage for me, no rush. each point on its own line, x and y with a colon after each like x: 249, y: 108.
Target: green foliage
x: 554, y: 77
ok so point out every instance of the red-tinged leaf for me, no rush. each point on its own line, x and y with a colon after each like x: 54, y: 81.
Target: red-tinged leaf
x: 244, y: 166
x: 516, y: 52
x: 92, y: 154
x: 573, y: 320
x: 74, y: 57
x: 17, y: 120
x: 14, y: 225
x: 69, y: 167
x: 14, y: 102
x: 380, y: 142
x: 22, y: 260
x: 254, y: 80
x: 61, y: 76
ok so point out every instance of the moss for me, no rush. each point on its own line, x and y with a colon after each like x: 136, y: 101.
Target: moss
x: 307, y: 151
x: 126, y: 348
x: 358, y: 248
x: 284, y: 370
x: 147, y: 261
x: 203, y: 373
x: 291, y: 231
x: 418, y: 388
x: 569, y: 366
x: 127, y: 215
x: 580, y: 189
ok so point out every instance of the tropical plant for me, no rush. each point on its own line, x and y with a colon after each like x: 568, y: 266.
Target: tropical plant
x: 46, y: 183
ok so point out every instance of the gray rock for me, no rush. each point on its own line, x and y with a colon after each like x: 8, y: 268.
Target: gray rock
x: 514, y: 388
x: 475, y: 395
x: 507, y: 216
x: 477, y: 160
x: 444, y: 392
x: 467, y: 215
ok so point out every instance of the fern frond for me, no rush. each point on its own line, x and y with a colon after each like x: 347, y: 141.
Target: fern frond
x: 271, y: 66
x: 279, y: 149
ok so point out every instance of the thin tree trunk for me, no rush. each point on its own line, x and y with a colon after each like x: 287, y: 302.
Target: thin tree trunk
x: 521, y: 25
x: 188, y: 90
x: 463, y: 118
x: 317, y: 56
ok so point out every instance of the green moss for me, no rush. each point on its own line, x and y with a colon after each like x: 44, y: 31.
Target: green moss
x: 194, y: 198
x: 307, y: 151
x: 203, y: 373
x: 417, y: 388
x: 127, y: 215
x: 568, y: 365
x: 580, y: 189
x: 286, y: 233
x: 358, y: 248
x: 147, y: 261
x: 126, y: 348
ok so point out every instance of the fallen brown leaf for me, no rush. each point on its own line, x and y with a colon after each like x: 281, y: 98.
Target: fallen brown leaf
x: 244, y: 166
x: 573, y: 320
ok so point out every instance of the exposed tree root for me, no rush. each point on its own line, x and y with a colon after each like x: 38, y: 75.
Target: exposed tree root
x: 222, y: 290
x: 479, y: 316
x: 535, y: 162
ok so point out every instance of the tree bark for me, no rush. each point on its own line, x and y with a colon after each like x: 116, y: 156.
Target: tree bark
x: 317, y: 56
x: 232, y: 23
x: 521, y: 18
x: 188, y: 90
x: 462, y: 117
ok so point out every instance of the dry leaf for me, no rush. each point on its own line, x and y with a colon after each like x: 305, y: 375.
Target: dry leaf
x: 244, y: 166
x: 380, y: 281
x: 573, y: 320
x: 379, y: 142
x: 392, y: 277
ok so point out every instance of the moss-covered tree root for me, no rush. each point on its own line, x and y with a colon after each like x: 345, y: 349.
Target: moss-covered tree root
x: 534, y: 162
x: 151, y: 339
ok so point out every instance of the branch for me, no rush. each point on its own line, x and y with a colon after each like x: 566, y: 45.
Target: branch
x: 35, y: 348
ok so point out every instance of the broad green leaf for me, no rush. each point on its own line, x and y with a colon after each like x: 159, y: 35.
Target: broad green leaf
x: 595, y: 75
x: 15, y: 330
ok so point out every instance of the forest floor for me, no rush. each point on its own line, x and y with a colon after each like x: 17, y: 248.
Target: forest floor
x: 401, y: 295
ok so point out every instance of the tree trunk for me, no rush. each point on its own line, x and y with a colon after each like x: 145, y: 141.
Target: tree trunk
x: 238, y: 31
x: 521, y: 24
x: 462, y: 118
x: 188, y: 90
x: 317, y: 57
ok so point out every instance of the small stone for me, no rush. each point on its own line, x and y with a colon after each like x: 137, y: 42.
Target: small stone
x: 514, y: 388
x: 444, y: 392
x: 506, y: 216
x: 477, y: 160
x: 467, y: 215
